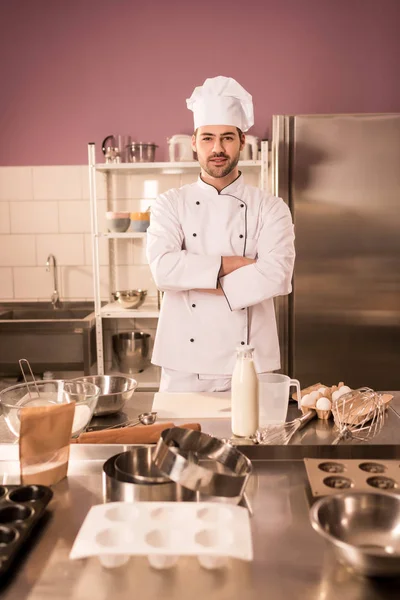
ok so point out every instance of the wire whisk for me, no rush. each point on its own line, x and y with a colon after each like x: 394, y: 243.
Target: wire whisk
x: 359, y: 415
x: 282, y: 434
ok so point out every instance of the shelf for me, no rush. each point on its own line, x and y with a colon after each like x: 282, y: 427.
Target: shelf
x: 168, y: 168
x: 126, y: 234
x: 149, y: 378
x: 113, y: 310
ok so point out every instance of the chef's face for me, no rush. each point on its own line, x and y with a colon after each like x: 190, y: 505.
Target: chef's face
x: 218, y: 148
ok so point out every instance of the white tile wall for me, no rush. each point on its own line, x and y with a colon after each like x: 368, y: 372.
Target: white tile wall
x: 6, y: 283
x: 32, y: 282
x: 187, y: 178
x: 74, y: 216
x: 135, y: 277
x: 57, y: 183
x: 34, y: 217
x: 46, y: 210
x: 16, y: 183
x: 69, y: 249
x: 101, y: 184
x: 17, y: 250
x: 77, y: 282
x: 5, y: 217
x: 102, y: 247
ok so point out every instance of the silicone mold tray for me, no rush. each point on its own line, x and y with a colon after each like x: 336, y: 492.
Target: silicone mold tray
x: 333, y: 476
x: 21, y: 507
x: 163, y: 531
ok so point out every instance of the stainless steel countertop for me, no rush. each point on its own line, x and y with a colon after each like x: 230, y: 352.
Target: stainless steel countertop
x: 316, y: 433
x: 290, y: 559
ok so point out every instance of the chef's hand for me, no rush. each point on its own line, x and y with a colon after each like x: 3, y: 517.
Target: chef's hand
x: 228, y: 265
x: 217, y: 292
x: 231, y: 263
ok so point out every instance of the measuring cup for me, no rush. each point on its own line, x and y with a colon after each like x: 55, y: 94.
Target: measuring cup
x: 273, y: 397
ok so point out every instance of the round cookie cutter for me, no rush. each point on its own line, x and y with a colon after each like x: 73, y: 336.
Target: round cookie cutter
x: 230, y: 469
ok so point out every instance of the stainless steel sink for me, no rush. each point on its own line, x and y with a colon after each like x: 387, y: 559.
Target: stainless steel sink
x: 50, y: 338
x: 21, y: 314
x: 44, y: 311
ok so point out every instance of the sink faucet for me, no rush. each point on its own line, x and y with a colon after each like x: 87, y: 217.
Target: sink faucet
x: 55, y: 297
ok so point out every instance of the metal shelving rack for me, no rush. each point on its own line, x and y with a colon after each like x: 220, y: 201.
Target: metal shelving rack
x: 149, y: 310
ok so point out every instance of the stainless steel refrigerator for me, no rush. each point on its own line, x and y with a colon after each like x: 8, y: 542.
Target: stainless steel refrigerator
x: 340, y: 175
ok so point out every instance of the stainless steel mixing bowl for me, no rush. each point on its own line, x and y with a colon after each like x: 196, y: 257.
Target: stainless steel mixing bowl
x: 115, y: 391
x: 130, y: 298
x: 363, y: 529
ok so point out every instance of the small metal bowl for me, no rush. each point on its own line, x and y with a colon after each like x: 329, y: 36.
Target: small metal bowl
x: 115, y: 391
x: 136, y: 466
x: 363, y: 530
x: 130, y: 298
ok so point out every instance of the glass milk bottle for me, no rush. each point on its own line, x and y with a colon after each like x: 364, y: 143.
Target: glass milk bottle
x: 244, y: 394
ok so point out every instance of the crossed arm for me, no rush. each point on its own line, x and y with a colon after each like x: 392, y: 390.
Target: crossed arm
x: 243, y: 281
x: 228, y: 265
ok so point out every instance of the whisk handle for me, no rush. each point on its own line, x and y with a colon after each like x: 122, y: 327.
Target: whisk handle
x: 305, y: 418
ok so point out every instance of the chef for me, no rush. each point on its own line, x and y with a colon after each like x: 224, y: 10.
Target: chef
x: 221, y: 250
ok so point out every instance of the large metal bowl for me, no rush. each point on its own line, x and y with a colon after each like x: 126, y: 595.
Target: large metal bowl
x: 115, y: 391
x: 363, y: 529
x: 130, y: 298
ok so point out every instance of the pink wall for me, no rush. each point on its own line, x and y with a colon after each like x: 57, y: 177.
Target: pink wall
x: 73, y: 71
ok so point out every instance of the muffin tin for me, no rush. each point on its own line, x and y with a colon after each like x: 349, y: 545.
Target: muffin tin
x: 21, y: 507
x: 332, y: 476
x: 163, y: 531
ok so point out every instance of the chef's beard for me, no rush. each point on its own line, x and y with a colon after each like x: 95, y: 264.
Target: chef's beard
x: 219, y: 172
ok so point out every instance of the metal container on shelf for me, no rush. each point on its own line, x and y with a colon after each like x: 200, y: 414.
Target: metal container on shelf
x: 142, y: 152
x: 132, y: 350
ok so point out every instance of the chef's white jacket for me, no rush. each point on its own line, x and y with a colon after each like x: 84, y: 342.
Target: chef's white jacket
x: 191, y: 228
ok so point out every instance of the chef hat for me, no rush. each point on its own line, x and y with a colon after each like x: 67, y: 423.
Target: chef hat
x: 221, y: 101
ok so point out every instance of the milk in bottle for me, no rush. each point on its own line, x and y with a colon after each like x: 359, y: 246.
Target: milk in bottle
x: 244, y: 394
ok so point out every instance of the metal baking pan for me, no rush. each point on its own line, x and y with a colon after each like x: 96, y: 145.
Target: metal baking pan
x: 328, y: 477
x: 21, y: 508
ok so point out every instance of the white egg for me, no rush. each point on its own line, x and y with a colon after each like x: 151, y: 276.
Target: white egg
x: 323, y: 404
x: 340, y: 392
x: 344, y: 389
x: 314, y: 396
x: 322, y: 390
x: 307, y: 400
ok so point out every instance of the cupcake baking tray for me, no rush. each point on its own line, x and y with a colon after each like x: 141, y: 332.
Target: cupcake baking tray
x: 163, y: 531
x: 21, y: 507
x: 332, y: 476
